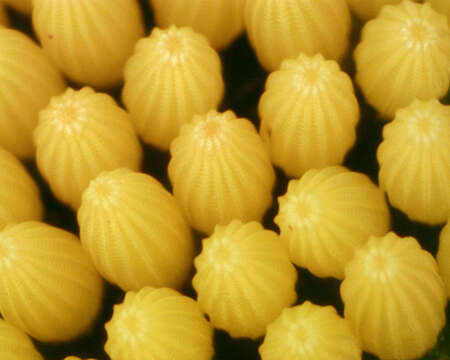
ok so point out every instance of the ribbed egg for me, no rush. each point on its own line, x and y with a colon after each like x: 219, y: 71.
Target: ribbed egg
x: 443, y: 256
x: 15, y: 344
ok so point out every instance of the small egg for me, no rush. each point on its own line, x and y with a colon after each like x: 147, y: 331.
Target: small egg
x: 158, y: 323
x: 220, y: 170
x: 15, y: 344
x: 283, y: 29
x: 414, y: 159
x: 172, y: 75
x: 89, y: 40
x: 443, y: 256
x: 19, y: 195
x: 135, y: 231
x: 404, y: 54
x: 310, y: 332
x: 394, y: 297
x: 366, y: 10
x: 326, y: 215
x: 80, y: 134
x: 244, y: 278
x: 221, y: 21
x: 49, y: 287
x: 309, y: 114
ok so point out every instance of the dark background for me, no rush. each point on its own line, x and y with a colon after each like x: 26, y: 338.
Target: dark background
x: 244, y: 80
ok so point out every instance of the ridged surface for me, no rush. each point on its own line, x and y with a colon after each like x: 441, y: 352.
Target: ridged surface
x: 221, y: 21
x: 24, y: 6
x: 19, y: 195
x: 326, y: 215
x: 172, y: 75
x: 89, y: 40
x: 414, y: 159
x: 135, y: 231
x: 442, y: 6
x: 308, y: 114
x: 28, y: 81
x: 283, y: 29
x: 48, y: 285
x: 310, y: 332
x: 404, y: 54
x: 244, y: 278
x: 443, y: 256
x: 158, y: 324
x: 80, y: 134
x: 15, y: 344
x: 394, y: 297
x: 366, y: 10
x: 220, y: 171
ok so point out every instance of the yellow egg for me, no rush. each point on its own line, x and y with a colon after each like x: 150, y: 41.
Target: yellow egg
x: 414, y: 159
x: 443, y: 256
x: 221, y: 21
x: 442, y: 6
x: 15, y: 344
x: 135, y: 231
x: 310, y: 332
x: 283, y: 29
x: 308, y: 114
x: 368, y: 9
x: 89, y: 40
x: 404, y: 54
x: 19, y: 196
x: 28, y: 81
x: 173, y: 75
x: 326, y: 215
x: 80, y: 134
x: 394, y: 297
x: 158, y: 324
x: 49, y: 287
x: 220, y: 171
x: 244, y: 278
x: 24, y: 6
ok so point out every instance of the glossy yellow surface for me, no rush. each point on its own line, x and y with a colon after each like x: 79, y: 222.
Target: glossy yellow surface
x: 89, y: 40
x: 158, y: 324
x: 220, y: 170
x: 414, y: 159
x: 326, y: 215
x: 28, y: 81
x: 442, y: 6
x: 19, y: 195
x: 394, y: 297
x: 368, y: 9
x: 15, y: 344
x: 404, y: 54
x: 221, y: 21
x: 244, y: 278
x: 49, y: 287
x: 283, y: 29
x: 308, y: 114
x: 80, y: 134
x: 443, y: 256
x: 172, y: 75
x: 135, y: 231
x: 310, y: 332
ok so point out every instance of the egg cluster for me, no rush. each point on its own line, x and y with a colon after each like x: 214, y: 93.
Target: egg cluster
x: 249, y: 204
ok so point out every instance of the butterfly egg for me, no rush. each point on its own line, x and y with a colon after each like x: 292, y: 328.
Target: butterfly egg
x: 283, y: 29
x: 15, y: 344
x: 404, y: 54
x: 369, y: 9
x: 173, y: 75
x: 19, y: 195
x: 88, y: 40
x: 47, y: 282
x: 28, y: 81
x: 326, y: 215
x: 442, y: 6
x: 158, y: 323
x: 135, y: 231
x: 309, y: 331
x: 80, y: 134
x: 220, y: 170
x: 23, y: 6
x: 308, y: 114
x: 221, y: 21
x: 414, y: 159
x: 443, y: 256
x: 394, y: 297
x: 244, y: 278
